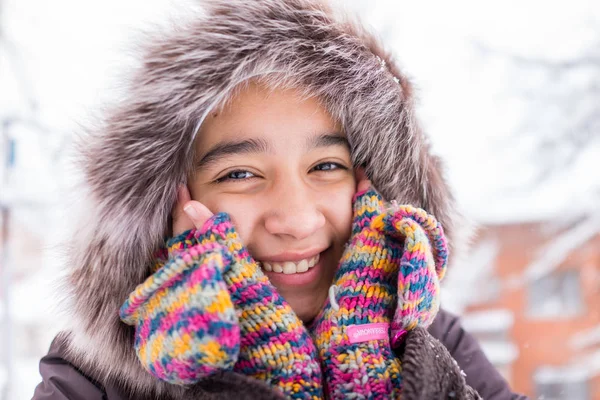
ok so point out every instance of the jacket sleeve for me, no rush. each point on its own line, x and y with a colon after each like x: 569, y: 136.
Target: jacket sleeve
x: 480, y: 373
x: 62, y: 380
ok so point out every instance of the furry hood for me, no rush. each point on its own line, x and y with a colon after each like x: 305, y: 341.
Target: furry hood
x: 134, y: 161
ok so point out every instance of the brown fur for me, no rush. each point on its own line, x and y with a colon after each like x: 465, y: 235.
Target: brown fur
x: 134, y: 160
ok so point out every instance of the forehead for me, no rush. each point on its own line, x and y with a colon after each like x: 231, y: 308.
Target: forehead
x: 279, y: 115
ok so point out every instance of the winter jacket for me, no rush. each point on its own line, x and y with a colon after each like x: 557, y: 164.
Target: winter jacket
x: 134, y: 159
x: 62, y: 379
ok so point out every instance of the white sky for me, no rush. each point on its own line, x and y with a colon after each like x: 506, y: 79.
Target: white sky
x: 469, y: 104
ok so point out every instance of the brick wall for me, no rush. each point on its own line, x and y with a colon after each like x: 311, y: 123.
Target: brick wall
x: 550, y: 311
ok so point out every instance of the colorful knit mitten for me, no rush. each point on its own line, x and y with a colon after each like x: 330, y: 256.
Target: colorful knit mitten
x: 387, y: 278
x: 186, y: 327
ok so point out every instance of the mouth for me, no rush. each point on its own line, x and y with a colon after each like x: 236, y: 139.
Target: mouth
x: 291, y: 267
x: 299, y: 272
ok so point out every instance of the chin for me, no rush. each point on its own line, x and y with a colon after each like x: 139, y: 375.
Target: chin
x: 307, y: 305
x: 308, y: 316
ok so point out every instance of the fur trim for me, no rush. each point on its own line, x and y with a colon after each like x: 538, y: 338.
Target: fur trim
x: 133, y: 162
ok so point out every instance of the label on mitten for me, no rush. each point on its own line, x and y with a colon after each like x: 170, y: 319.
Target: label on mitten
x: 366, y: 332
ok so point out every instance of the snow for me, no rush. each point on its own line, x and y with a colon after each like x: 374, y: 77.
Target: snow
x: 36, y: 299
x: 593, y: 363
x: 473, y: 116
x: 585, y: 339
x: 470, y: 282
x: 499, y: 352
x: 570, y: 373
x: 25, y: 378
x: 583, y: 368
x: 493, y: 320
x: 3, y: 376
x: 557, y: 250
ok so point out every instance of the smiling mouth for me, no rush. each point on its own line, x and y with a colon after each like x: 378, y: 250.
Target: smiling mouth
x: 291, y: 267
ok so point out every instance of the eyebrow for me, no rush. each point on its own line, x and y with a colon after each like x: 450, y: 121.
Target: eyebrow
x: 328, y: 140
x: 225, y: 149
x: 256, y: 145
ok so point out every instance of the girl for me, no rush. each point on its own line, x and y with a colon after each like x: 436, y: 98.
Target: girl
x: 246, y: 140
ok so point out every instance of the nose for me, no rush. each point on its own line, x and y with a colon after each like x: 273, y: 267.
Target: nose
x: 294, y: 212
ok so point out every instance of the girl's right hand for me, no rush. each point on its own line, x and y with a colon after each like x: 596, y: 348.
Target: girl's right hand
x: 187, y: 213
x: 186, y: 326
x: 274, y: 345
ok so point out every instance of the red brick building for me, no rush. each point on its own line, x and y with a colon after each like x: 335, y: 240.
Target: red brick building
x: 545, y: 285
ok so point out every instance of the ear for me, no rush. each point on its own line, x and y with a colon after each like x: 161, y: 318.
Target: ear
x: 362, y: 181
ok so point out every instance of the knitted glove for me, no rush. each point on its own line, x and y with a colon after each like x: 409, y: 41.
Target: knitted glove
x: 186, y: 326
x: 381, y: 281
x: 422, y: 267
x: 274, y: 346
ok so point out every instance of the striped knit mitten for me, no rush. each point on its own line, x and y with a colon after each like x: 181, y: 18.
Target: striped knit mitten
x: 185, y: 324
x: 274, y: 346
x: 386, y: 273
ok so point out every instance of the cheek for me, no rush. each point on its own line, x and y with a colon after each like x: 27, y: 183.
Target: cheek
x: 244, y: 212
x: 338, y: 211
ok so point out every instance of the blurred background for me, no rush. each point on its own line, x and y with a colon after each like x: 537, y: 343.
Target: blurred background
x: 509, y: 92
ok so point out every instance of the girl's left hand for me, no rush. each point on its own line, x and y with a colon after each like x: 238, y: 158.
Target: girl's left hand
x: 352, y: 331
x: 387, y: 283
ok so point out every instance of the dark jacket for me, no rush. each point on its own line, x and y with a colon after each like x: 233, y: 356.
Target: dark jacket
x: 141, y: 149
x: 63, y: 380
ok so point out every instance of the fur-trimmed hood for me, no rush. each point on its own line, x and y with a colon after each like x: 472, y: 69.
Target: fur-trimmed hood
x: 133, y: 162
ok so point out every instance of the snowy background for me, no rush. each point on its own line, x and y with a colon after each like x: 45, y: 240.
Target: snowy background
x: 509, y: 92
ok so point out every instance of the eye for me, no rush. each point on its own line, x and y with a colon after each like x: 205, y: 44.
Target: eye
x: 329, y: 166
x: 237, y: 175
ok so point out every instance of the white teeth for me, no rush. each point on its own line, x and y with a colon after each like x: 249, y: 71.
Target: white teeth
x: 290, y: 267
x: 302, y: 266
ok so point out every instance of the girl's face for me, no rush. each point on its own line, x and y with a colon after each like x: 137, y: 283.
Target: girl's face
x: 280, y: 167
